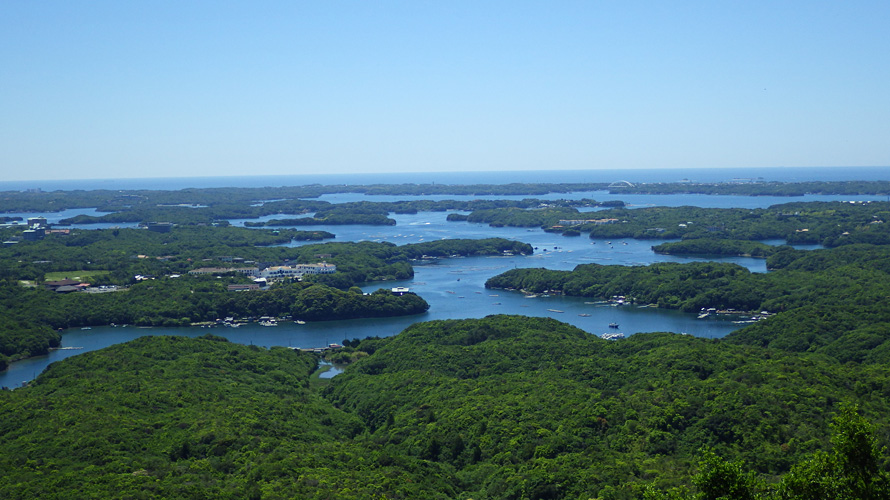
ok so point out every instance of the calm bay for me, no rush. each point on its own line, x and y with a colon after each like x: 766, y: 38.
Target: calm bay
x: 454, y: 287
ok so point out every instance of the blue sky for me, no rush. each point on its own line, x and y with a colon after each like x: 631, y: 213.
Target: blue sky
x: 109, y: 89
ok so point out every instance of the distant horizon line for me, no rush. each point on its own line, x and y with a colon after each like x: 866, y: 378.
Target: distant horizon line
x: 419, y: 172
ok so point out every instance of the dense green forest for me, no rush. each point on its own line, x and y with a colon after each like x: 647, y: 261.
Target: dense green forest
x: 706, y: 246
x: 168, y: 417
x: 522, y: 218
x: 23, y: 337
x: 180, y: 302
x: 503, y: 407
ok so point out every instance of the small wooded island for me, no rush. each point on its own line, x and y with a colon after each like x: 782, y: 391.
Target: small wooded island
x: 793, y: 406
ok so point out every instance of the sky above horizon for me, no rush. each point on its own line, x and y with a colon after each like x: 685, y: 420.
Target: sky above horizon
x: 110, y: 89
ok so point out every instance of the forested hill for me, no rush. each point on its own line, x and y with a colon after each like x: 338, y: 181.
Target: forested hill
x: 500, y: 407
x: 170, y: 417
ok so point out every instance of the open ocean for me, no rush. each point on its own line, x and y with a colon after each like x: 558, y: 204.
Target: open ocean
x: 781, y: 174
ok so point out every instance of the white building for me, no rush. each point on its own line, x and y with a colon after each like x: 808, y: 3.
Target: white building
x: 249, y: 271
x: 297, y: 271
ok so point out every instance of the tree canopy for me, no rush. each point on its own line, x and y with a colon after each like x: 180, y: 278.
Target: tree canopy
x: 504, y: 407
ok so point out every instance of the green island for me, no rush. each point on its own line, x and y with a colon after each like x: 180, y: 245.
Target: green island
x: 705, y: 246
x: 826, y: 223
x: 754, y: 187
x: 793, y: 405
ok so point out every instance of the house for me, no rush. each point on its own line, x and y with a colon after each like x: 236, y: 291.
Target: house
x: 52, y: 285
x: 65, y: 286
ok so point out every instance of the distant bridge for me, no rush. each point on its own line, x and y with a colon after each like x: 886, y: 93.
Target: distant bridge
x: 621, y: 184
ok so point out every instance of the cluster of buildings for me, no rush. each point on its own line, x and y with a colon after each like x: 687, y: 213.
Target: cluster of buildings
x: 159, y: 227
x: 39, y: 228
x: 581, y: 222
x: 297, y: 271
x: 248, y: 271
x: 273, y: 273
x: 66, y: 286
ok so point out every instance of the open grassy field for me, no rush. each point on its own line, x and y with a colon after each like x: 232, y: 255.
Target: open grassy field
x: 74, y: 275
